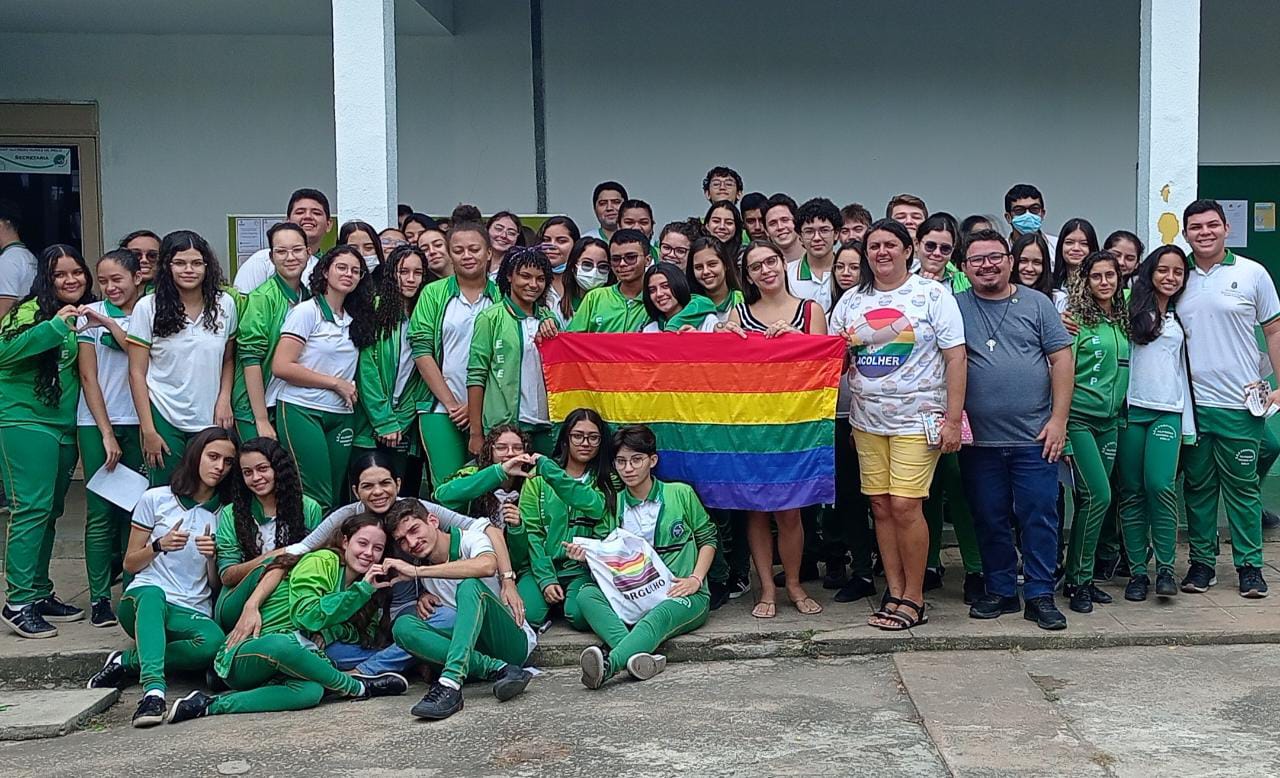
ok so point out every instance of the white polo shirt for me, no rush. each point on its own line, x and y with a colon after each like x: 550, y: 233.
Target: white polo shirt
x: 405, y: 368
x: 182, y: 574
x: 17, y: 271
x: 113, y: 370
x: 186, y: 367
x: 258, y: 268
x: 1220, y: 310
x: 471, y: 545
x: 327, y: 349
x: 533, y: 389
x: 455, y: 340
x: 807, y: 284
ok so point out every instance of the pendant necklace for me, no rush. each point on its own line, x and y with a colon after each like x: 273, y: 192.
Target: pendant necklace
x: 991, y: 331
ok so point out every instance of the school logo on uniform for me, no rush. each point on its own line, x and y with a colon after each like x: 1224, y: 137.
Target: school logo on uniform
x: 345, y: 437
x: 1247, y: 457
x: 677, y: 529
x: 1164, y: 432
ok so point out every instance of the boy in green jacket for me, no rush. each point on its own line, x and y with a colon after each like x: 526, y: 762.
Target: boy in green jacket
x: 618, y: 307
x: 671, y: 518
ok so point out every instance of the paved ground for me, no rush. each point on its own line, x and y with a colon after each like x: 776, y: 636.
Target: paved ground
x: 1112, y: 712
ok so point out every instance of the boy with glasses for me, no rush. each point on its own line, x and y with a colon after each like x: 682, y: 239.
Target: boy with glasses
x: 810, y: 275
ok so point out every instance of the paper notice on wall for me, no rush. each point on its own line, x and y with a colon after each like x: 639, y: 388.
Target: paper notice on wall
x: 1237, y: 212
x: 1264, y: 217
x: 35, y: 159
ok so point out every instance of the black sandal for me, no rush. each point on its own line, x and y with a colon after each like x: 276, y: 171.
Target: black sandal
x: 885, y: 602
x: 903, y: 622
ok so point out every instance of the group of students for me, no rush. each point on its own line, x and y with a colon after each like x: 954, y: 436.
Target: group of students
x: 405, y: 362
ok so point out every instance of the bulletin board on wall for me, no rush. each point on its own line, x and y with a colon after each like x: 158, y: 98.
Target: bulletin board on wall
x: 247, y: 234
x: 1250, y: 194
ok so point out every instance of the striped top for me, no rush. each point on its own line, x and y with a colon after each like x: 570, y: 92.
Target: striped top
x: 752, y: 324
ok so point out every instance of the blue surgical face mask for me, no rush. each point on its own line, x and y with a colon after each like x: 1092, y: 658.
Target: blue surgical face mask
x: 1026, y: 223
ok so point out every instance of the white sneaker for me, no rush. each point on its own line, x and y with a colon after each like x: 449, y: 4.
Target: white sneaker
x: 645, y: 666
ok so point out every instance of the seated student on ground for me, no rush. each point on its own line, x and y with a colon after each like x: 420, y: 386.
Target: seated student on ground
x: 672, y: 306
x: 266, y: 514
x: 334, y: 594
x: 487, y: 642
x: 672, y: 520
x: 167, y: 606
x: 567, y: 496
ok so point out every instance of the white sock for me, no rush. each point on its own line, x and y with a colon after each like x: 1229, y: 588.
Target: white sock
x: 452, y: 684
x: 155, y: 693
x: 362, y: 691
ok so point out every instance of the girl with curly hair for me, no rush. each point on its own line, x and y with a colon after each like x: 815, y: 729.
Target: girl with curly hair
x: 389, y: 384
x: 181, y: 352
x: 39, y: 387
x: 1101, y: 351
x: 267, y: 513
x: 315, y: 371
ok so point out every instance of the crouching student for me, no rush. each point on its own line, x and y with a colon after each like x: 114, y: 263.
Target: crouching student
x: 166, y: 608
x: 673, y: 521
x: 332, y: 594
x: 486, y: 642
x: 266, y: 514
x: 566, y: 497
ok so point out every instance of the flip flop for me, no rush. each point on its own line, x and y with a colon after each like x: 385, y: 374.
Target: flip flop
x: 808, y: 610
x: 765, y: 610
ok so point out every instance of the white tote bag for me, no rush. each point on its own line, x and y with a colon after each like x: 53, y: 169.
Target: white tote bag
x: 630, y: 573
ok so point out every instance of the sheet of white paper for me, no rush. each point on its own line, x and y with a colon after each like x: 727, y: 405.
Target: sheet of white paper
x: 1237, y: 222
x: 122, y: 486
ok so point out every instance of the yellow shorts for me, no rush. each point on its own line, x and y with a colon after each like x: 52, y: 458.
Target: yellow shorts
x: 899, y: 465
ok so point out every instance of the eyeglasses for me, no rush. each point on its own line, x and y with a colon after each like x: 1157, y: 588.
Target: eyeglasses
x: 986, y: 259
x: 141, y: 255
x: 625, y: 259
x: 809, y: 232
x: 297, y: 252
x: 622, y: 463
x: 184, y: 264
x: 674, y: 251
x: 508, y: 448
x: 771, y: 263
x: 932, y: 246
x: 509, y: 234
x: 1035, y: 208
x: 593, y: 438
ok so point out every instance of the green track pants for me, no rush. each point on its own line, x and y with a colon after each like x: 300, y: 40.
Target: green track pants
x: 1148, y: 493
x: 175, y: 440
x: 484, y: 639
x: 231, y: 600
x: 168, y: 637
x: 278, y: 672
x: 445, y: 445
x: 536, y: 608
x: 673, y: 616
x: 946, y: 498
x: 106, y: 526
x: 320, y: 442
x: 1224, y: 462
x: 1093, y: 455
x: 35, y: 464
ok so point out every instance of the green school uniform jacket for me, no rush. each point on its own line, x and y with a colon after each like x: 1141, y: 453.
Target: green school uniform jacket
x: 262, y: 313
x: 376, y: 382
x: 470, y: 483
x: 955, y: 278
x: 605, y: 309
x: 497, y: 351
x: 553, y: 509
x: 19, y: 405
x: 228, y: 542
x: 734, y: 298
x: 683, y: 525
x: 426, y: 325
x: 1102, y: 371
x: 698, y: 309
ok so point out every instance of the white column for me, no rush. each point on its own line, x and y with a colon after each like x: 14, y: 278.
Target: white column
x: 364, y: 109
x: 1168, y: 117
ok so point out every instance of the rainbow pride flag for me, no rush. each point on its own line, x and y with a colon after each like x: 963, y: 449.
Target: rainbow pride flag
x: 750, y: 424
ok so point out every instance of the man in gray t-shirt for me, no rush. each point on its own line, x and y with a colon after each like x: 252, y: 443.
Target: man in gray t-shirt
x: 1020, y: 377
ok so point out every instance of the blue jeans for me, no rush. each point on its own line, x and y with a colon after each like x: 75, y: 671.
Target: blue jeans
x: 392, y: 659
x: 1007, y: 485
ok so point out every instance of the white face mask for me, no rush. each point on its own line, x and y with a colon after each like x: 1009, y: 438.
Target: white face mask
x: 590, y: 279
x: 371, y: 262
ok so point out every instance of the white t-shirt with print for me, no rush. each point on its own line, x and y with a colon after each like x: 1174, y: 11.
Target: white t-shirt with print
x: 455, y: 339
x: 327, y: 349
x: 898, y: 373
x: 186, y: 367
x: 17, y: 271
x: 113, y: 371
x: 182, y: 574
x: 471, y: 545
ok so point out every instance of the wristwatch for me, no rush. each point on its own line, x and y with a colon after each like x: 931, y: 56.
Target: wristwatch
x: 510, y: 575
x: 155, y: 546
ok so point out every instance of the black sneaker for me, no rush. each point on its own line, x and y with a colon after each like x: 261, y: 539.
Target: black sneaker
x: 593, y: 667
x: 1137, y: 588
x: 1199, y: 578
x: 101, y: 614
x: 1105, y: 569
x: 857, y: 588
x: 150, y: 711
x: 1252, y: 585
x: 836, y: 576
x: 381, y: 685
x: 739, y: 587
x: 933, y: 577
x: 57, y: 611
x: 1080, y: 598
x: 193, y: 706
x: 719, y: 594
x: 510, y: 682
x: 975, y: 588
x: 1166, y: 586
x: 1270, y: 520
x: 1096, y: 595
x: 644, y: 666
x: 27, y: 622
x: 1044, y: 613
x: 440, y: 702
x: 113, y: 675
x: 214, y: 682
x: 993, y: 606
x: 808, y: 572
